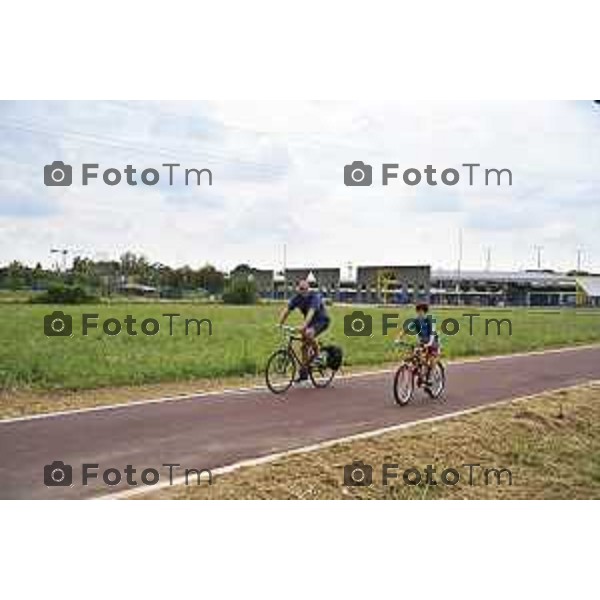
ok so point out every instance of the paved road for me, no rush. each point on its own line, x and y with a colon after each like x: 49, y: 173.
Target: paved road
x: 217, y: 430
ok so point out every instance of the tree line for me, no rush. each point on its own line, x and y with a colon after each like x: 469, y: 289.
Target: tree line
x: 108, y: 277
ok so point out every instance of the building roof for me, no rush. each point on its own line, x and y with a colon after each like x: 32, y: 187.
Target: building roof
x: 504, y: 276
x: 391, y: 267
x: 138, y: 287
x: 590, y: 285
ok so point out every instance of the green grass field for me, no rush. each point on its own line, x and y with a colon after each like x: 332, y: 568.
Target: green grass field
x: 242, y: 338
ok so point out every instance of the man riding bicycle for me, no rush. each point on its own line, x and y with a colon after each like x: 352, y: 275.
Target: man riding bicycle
x: 316, y: 321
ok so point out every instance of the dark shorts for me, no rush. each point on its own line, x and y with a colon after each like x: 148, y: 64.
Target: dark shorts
x: 319, y: 326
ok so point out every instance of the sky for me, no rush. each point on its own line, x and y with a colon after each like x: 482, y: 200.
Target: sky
x: 278, y: 179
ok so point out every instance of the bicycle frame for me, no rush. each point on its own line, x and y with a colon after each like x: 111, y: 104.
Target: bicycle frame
x: 289, y: 346
x: 291, y: 336
x: 320, y: 374
x: 287, y: 343
x: 414, y: 359
x: 420, y: 364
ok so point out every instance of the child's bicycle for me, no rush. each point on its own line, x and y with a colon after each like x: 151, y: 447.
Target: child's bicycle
x: 413, y: 372
x: 284, y: 363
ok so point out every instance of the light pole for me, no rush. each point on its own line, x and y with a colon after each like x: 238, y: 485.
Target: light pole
x: 285, y: 284
x: 579, y: 254
x: 488, y: 259
x: 459, y: 266
x: 538, y: 250
x: 64, y: 253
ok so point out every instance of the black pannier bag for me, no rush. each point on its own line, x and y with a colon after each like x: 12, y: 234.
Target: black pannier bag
x: 334, y: 356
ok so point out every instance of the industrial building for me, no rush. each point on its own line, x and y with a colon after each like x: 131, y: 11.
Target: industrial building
x: 392, y: 284
x: 372, y: 285
x: 326, y: 280
x: 503, y: 288
x: 588, y: 291
x: 397, y: 284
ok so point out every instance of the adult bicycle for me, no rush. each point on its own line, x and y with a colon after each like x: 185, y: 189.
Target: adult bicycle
x: 286, y: 362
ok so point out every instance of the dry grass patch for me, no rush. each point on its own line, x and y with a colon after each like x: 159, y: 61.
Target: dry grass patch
x: 18, y: 403
x: 550, y: 443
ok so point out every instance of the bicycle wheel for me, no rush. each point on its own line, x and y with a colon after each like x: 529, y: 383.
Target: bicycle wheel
x: 320, y: 374
x: 280, y: 371
x: 404, y: 385
x: 438, y: 381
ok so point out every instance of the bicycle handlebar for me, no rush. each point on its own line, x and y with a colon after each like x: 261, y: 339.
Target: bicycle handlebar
x: 290, y: 330
x: 404, y: 344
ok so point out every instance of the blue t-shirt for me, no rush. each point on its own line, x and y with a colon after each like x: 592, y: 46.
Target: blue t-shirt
x: 425, y: 326
x: 305, y: 303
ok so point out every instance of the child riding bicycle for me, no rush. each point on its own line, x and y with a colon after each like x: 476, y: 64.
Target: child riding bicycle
x: 429, y: 346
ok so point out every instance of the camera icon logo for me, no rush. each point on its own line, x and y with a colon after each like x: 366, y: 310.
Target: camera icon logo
x: 57, y: 474
x: 358, y: 173
x: 57, y: 324
x: 358, y: 324
x: 358, y: 473
x: 58, y: 174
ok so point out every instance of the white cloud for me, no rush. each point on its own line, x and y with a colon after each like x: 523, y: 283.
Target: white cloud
x: 278, y: 178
